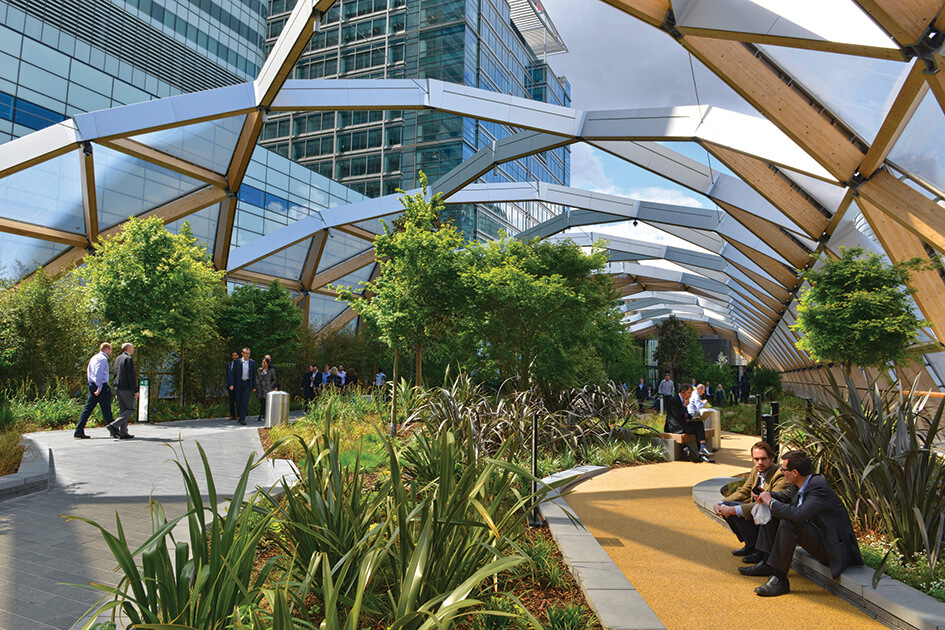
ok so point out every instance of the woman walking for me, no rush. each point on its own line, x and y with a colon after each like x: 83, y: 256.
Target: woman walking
x: 265, y: 382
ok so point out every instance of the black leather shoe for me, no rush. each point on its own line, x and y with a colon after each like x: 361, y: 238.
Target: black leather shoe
x: 753, y: 558
x: 705, y: 458
x: 759, y: 570
x: 243, y: 422
x: 744, y: 551
x: 82, y: 436
x: 773, y: 587
x: 126, y: 436
x: 113, y: 432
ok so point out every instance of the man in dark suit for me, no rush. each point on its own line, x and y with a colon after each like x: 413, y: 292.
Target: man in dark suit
x: 231, y: 381
x: 678, y: 420
x: 126, y: 385
x: 244, y: 383
x: 736, y: 508
x: 642, y: 392
x: 311, y: 380
x: 808, y: 514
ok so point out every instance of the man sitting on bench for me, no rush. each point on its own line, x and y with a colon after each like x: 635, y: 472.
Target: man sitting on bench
x: 679, y: 420
x: 808, y: 514
x: 736, y: 509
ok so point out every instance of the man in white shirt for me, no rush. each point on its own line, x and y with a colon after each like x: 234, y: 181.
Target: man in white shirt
x: 696, y: 403
x: 99, y: 391
x: 245, y: 384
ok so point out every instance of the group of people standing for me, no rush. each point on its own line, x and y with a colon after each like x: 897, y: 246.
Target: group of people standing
x: 330, y: 378
x: 243, y: 379
x: 100, y: 392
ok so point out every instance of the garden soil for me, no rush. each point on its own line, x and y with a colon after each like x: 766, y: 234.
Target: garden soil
x: 680, y: 560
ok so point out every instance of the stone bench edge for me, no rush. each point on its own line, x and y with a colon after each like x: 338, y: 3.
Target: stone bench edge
x: 34, y: 472
x: 617, y: 604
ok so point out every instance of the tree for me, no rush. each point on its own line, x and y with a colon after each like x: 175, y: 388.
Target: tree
x: 45, y: 331
x: 267, y: 321
x: 858, y: 311
x: 537, y: 305
x: 420, y: 296
x: 154, y: 289
x: 678, y: 346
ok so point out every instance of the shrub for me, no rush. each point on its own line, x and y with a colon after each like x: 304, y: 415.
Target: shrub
x: 880, y: 452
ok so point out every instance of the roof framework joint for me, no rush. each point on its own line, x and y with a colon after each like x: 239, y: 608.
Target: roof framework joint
x: 669, y: 26
x: 926, y: 48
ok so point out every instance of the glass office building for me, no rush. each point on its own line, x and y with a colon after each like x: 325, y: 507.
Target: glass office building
x: 495, y: 45
x: 60, y: 59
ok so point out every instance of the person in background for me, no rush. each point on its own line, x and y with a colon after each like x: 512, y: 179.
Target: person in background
x: 99, y: 391
x: 126, y: 385
x: 379, y: 379
x: 232, y: 376
x: 245, y: 384
x: 310, y: 382
x: 745, y: 388
x: 666, y: 389
x: 326, y: 375
x: 719, y: 396
x: 351, y: 379
x: 265, y: 383
x: 334, y: 379
x: 641, y: 391
x: 697, y: 402
x: 343, y: 374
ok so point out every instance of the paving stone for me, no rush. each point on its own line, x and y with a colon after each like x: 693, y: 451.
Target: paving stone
x: 623, y: 608
x: 581, y: 548
x: 601, y: 576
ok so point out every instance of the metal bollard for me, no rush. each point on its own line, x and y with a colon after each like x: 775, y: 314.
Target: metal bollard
x: 774, y: 432
x: 758, y: 415
x: 144, y: 391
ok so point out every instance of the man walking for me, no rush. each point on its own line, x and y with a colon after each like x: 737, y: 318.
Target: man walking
x: 245, y: 384
x: 642, y: 392
x: 666, y: 390
x: 309, y: 384
x: 231, y: 378
x: 99, y: 392
x: 125, y: 382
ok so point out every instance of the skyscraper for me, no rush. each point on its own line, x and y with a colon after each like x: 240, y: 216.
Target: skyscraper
x: 499, y: 45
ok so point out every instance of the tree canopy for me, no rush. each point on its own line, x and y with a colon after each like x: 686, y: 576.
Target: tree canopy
x: 267, y: 321
x: 155, y: 289
x: 858, y: 310
x: 678, y: 347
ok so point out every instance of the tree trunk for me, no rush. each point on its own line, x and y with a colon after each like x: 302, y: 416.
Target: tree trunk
x: 393, y: 398
x: 419, y: 365
x: 181, y: 385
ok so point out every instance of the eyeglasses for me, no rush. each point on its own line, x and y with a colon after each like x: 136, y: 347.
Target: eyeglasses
x: 785, y: 470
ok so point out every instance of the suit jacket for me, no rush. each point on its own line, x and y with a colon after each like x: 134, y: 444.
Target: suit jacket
x: 238, y: 373
x: 232, y: 373
x: 309, y: 385
x: 676, y: 415
x: 642, y: 391
x: 773, y: 483
x: 823, y: 509
x: 125, y: 378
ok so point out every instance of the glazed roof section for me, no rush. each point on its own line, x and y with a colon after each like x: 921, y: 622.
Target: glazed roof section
x: 850, y: 135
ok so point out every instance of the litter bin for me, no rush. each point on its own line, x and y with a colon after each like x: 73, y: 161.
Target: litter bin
x: 712, y: 419
x: 144, y: 390
x: 277, y: 408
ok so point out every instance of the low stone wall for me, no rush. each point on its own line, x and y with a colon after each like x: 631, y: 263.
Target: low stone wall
x: 608, y: 591
x: 33, y: 475
x: 891, y: 602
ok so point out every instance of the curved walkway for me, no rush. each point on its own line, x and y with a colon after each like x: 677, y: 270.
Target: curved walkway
x: 41, y: 553
x: 680, y: 561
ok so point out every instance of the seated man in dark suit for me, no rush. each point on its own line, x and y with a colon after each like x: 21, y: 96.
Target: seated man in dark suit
x: 679, y: 420
x: 736, y: 509
x: 808, y: 514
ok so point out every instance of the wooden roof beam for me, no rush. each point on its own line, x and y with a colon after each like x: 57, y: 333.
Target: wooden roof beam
x: 910, y: 208
x: 770, y: 233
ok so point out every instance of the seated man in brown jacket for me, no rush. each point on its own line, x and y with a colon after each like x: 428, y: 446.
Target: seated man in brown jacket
x: 736, y: 509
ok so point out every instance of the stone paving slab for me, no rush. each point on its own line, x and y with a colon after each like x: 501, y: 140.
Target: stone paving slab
x: 41, y: 553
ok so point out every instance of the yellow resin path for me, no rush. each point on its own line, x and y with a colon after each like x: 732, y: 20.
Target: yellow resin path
x: 680, y: 560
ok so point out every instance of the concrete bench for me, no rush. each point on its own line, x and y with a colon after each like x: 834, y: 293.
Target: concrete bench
x: 673, y: 443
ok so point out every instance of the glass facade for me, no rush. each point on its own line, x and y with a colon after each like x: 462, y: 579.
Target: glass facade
x: 472, y: 42
x: 74, y: 57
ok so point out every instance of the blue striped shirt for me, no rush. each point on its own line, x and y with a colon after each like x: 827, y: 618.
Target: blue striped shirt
x: 98, y: 370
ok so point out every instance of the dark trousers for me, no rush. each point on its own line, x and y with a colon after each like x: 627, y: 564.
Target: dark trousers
x: 779, y: 536
x: 104, y: 400
x: 126, y: 409
x: 696, y: 428
x: 262, y: 409
x: 744, y: 528
x: 243, y: 390
x: 233, y: 401
x: 309, y: 396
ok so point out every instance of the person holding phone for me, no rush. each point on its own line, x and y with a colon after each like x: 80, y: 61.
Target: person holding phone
x: 736, y: 509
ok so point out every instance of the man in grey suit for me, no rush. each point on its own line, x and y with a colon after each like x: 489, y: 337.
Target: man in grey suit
x: 808, y: 514
x: 126, y: 385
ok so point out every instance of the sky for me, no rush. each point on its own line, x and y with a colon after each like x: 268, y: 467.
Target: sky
x: 615, y: 61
